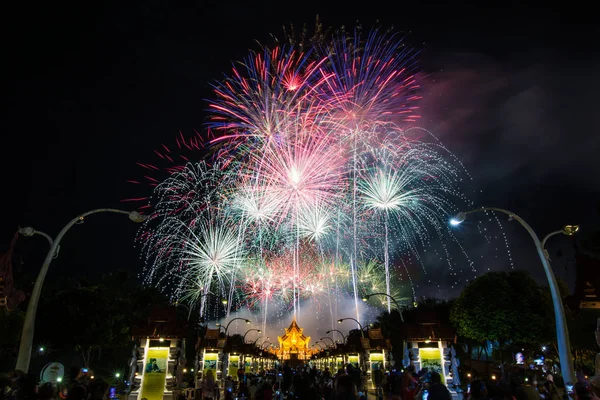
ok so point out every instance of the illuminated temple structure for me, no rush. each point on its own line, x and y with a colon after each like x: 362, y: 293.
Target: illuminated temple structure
x: 293, y: 345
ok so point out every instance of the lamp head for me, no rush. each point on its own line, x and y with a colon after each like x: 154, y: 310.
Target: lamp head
x: 258, y: 330
x: 340, y: 321
x: 247, y: 321
x: 224, y: 302
x: 458, y: 219
x: 136, y: 217
x: 570, y: 230
x: 26, y: 231
x: 365, y: 298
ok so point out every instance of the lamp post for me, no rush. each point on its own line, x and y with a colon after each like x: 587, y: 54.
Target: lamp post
x: 29, y: 323
x: 327, y: 337
x: 367, y: 296
x: 562, y: 333
x: 224, y: 373
x: 338, y: 331
x: 256, y: 340
x: 229, y: 323
x: 254, y: 343
x: 250, y: 330
x: 355, y: 320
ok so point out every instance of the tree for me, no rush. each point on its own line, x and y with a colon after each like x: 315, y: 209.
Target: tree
x: 501, y: 306
x: 95, y: 318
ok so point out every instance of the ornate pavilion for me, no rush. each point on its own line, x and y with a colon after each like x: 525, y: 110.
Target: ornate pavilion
x: 293, y: 345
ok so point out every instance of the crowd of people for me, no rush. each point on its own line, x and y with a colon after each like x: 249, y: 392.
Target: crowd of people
x: 309, y: 383
x: 20, y: 386
x: 287, y: 383
x: 351, y: 383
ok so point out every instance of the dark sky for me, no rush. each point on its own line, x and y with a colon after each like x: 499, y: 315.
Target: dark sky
x: 511, y: 88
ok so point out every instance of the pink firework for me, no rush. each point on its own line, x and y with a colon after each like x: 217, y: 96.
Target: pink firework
x: 300, y: 173
x: 262, y: 92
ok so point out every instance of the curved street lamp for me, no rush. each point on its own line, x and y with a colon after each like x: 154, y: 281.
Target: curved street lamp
x: 227, y: 327
x: 29, y: 324
x: 567, y: 230
x: 327, y: 337
x: 250, y: 330
x: 226, y: 330
x: 262, y: 346
x: 254, y: 343
x: 562, y: 333
x: 338, y: 331
x: 362, y: 330
x: 366, y: 297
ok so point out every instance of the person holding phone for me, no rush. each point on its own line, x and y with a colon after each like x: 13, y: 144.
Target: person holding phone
x: 435, y: 389
x: 422, y: 391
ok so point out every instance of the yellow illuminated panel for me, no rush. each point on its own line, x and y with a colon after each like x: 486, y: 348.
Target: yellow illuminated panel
x: 432, y: 360
x: 376, y: 359
x: 155, y: 374
x: 353, y: 360
x: 234, y: 365
x: 210, y: 362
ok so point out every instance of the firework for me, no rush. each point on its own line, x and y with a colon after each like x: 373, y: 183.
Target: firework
x: 309, y: 183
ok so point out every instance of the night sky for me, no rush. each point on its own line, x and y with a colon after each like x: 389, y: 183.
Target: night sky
x: 510, y: 89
